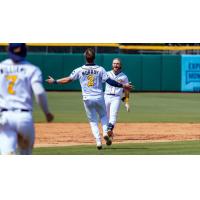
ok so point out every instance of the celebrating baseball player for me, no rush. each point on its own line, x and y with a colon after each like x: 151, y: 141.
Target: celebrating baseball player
x: 113, y: 95
x: 19, y: 80
x: 91, y: 77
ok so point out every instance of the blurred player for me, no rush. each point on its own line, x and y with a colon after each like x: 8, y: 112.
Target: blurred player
x: 19, y: 80
x: 91, y: 77
x: 113, y: 95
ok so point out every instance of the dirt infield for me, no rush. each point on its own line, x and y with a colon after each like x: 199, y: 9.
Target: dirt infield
x: 65, y: 134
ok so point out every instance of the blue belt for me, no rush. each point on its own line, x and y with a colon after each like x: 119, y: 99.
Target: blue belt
x: 113, y: 95
x: 22, y: 110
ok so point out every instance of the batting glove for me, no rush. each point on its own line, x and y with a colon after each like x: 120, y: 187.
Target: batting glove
x: 127, y: 106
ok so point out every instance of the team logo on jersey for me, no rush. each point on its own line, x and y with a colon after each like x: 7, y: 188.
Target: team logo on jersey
x: 119, y: 81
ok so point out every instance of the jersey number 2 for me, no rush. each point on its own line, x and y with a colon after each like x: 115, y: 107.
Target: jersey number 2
x: 90, y: 80
x: 12, y: 79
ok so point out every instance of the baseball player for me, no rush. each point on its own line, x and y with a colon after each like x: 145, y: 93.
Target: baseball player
x: 113, y: 95
x: 91, y: 77
x: 19, y: 80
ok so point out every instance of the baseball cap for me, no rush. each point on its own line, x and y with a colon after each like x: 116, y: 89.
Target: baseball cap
x: 17, y: 51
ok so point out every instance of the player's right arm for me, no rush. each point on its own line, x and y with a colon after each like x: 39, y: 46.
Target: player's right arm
x: 73, y: 76
x: 64, y: 80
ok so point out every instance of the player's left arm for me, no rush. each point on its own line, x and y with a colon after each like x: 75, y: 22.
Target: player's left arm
x: 40, y: 94
x: 126, y: 86
x: 107, y: 79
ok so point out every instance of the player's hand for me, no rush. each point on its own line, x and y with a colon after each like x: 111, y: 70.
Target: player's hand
x: 128, y: 86
x: 127, y: 106
x: 50, y: 80
x: 49, y: 117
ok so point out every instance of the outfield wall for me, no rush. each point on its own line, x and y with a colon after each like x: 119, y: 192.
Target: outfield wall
x: 190, y: 73
x: 146, y: 72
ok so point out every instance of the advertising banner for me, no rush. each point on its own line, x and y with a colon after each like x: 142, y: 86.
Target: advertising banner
x: 190, y: 78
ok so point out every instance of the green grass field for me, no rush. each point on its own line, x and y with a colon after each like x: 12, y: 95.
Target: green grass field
x: 145, y: 107
x: 165, y: 148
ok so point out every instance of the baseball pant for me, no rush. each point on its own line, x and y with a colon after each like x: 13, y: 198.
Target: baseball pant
x: 95, y: 110
x: 112, y: 107
x: 16, y: 131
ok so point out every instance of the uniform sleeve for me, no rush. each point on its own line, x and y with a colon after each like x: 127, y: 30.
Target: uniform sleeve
x: 36, y: 76
x: 126, y: 80
x: 36, y: 80
x: 38, y: 90
x: 104, y: 75
x: 75, y: 74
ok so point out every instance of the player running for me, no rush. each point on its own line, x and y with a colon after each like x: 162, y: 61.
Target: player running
x: 113, y: 95
x: 19, y: 80
x: 91, y: 77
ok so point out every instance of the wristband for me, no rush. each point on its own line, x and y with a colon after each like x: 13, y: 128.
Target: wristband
x: 55, y: 82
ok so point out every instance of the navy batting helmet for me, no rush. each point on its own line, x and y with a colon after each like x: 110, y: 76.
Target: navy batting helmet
x: 17, y: 51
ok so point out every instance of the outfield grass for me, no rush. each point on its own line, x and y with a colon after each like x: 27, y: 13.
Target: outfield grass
x: 161, y: 148
x: 145, y: 107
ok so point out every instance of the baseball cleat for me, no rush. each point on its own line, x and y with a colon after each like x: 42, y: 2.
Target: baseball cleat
x: 110, y: 133
x: 99, y: 147
x: 110, y: 130
x: 108, y: 140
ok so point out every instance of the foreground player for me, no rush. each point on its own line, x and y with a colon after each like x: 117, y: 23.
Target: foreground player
x: 19, y: 79
x: 91, y: 77
x: 113, y: 95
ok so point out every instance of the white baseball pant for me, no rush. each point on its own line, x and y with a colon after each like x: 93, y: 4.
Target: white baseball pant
x: 16, y: 131
x: 95, y: 109
x: 112, y: 107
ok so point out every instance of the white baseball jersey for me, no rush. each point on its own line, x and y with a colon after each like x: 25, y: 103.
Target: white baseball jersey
x: 16, y: 82
x: 91, y: 78
x: 16, y: 100
x: 121, y: 78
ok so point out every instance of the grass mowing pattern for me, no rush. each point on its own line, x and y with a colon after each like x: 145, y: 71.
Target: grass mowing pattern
x: 145, y: 107
x: 161, y: 148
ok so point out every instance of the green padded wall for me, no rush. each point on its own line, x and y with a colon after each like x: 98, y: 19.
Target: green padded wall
x: 133, y: 69
x: 171, y: 73
x: 146, y: 72
x: 151, y: 73
x: 3, y: 56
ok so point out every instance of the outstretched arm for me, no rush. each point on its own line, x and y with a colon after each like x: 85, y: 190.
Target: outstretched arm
x: 114, y: 83
x: 65, y: 80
